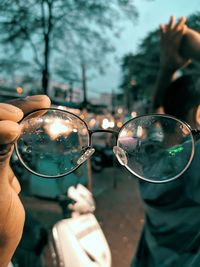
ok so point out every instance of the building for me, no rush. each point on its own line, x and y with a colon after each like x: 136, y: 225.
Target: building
x: 65, y: 92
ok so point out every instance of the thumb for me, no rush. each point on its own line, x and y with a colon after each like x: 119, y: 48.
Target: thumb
x: 9, y: 131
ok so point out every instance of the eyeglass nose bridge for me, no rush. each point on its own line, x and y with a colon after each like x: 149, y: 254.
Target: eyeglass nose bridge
x: 89, y: 151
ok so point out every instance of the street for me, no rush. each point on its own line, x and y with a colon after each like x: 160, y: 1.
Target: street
x: 118, y: 210
x: 120, y: 213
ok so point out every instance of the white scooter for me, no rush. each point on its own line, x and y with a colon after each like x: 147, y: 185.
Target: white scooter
x: 79, y: 240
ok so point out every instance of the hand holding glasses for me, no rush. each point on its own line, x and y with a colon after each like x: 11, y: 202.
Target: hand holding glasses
x: 156, y: 148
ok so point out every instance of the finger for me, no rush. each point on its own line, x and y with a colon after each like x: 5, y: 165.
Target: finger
x: 185, y: 29
x: 10, y: 112
x: 162, y: 32
x: 171, y: 22
x: 162, y: 28
x: 180, y: 23
x: 179, y: 35
x: 9, y: 131
x: 4, y: 172
x: 13, y: 181
x: 15, y: 185
x: 31, y: 103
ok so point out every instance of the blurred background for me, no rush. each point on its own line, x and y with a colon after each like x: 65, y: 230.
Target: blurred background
x: 99, y: 60
x: 99, y: 54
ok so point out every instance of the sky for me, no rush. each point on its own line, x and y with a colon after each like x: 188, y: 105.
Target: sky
x: 151, y: 14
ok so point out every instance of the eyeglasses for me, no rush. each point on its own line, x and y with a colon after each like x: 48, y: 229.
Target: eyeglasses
x: 155, y: 148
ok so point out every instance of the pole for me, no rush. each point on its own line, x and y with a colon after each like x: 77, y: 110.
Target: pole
x: 84, y: 85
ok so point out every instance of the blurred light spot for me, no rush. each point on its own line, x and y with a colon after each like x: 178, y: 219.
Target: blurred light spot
x: 92, y: 122
x: 105, y: 124
x: 140, y: 132
x: 19, y: 90
x: 120, y: 110
x: 133, y: 114
x: 119, y: 124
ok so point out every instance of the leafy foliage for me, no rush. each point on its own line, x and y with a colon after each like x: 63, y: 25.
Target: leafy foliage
x: 67, y: 31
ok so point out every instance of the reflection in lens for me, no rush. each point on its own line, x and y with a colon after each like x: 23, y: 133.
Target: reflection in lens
x: 51, y: 142
x: 158, y: 148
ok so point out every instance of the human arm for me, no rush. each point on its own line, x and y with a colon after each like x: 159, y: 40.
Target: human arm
x: 12, y: 213
x: 171, y: 59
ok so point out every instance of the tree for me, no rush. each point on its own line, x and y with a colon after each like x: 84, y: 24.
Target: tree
x: 143, y: 66
x: 76, y: 30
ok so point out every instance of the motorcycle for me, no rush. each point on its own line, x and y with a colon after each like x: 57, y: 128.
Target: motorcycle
x: 76, y: 241
x: 70, y: 242
x: 79, y: 241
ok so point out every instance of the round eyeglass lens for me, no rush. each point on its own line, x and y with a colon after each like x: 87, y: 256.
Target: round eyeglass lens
x: 52, y: 142
x: 158, y: 148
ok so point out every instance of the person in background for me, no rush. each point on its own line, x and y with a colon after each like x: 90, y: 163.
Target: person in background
x: 171, y: 233
x: 173, y: 45
x: 12, y: 213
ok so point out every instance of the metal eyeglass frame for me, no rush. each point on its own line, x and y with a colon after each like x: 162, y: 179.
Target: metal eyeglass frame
x: 119, y: 153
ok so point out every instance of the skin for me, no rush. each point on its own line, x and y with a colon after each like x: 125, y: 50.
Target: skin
x: 170, y: 58
x: 12, y: 213
x: 171, y: 37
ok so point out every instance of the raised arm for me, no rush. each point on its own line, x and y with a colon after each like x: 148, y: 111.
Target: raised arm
x: 171, y: 59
